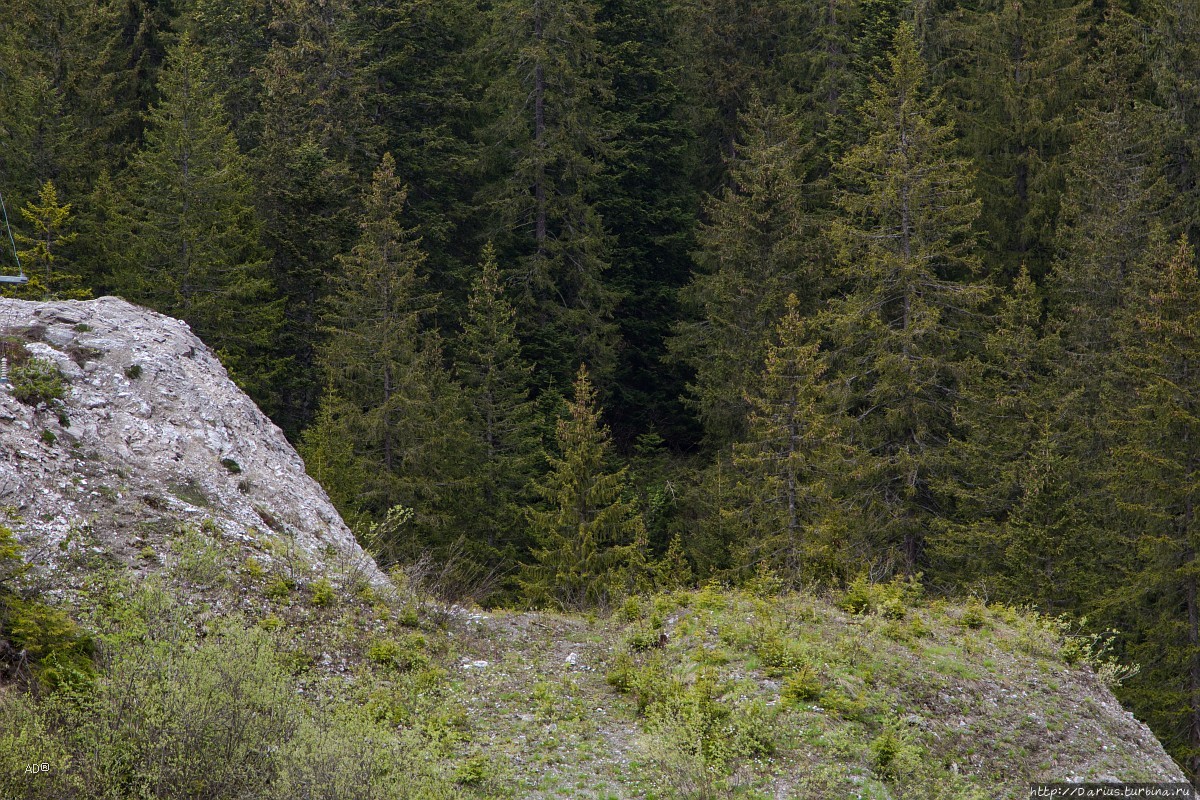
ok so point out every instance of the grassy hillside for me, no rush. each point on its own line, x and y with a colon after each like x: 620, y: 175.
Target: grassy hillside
x: 253, y: 686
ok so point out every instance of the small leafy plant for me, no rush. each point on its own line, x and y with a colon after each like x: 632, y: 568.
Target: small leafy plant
x: 37, y: 382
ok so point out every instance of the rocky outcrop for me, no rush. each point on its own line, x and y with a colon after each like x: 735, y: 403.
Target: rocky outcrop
x: 152, y: 435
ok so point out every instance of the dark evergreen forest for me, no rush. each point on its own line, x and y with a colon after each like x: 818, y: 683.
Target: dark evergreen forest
x: 586, y: 297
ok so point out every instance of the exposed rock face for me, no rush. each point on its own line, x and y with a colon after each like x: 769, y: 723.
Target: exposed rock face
x: 152, y: 434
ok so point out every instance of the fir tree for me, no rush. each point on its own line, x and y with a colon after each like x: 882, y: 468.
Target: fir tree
x: 315, y: 137
x: 734, y: 50
x: 50, y: 222
x: 756, y: 249
x: 1176, y: 65
x: 234, y: 35
x: 328, y: 449
x: 1013, y: 75
x: 590, y: 539
x: 544, y: 151
x: 1001, y: 417
x: 193, y: 249
x: 1018, y: 526
x: 907, y: 248
x: 422, y: 94
x: 1156, y: 473
x: 649, y: 208
x: 788, y: 464
x: 504, y: 422
x: 1115, y: 191
x: 399, y: 408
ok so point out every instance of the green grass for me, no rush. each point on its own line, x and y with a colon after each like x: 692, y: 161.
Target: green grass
x: 746, y: 697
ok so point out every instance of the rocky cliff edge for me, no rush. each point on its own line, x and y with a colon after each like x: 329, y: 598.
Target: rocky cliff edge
x: 151, y: 438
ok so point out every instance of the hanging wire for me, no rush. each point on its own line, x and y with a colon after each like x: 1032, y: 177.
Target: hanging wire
x: 11, y: 240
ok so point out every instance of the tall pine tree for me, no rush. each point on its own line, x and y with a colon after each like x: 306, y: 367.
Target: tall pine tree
x: 590, y: 540
x: 392, y: 396
x: 315, y: 141
x: 1013, y: 75
x: 906, y: 246
x: 1155, y: 471
x: 756, y: 248
x: 794, y: 451
x: 544, y: 152
x: 504, y: 421
x: 193, y: 245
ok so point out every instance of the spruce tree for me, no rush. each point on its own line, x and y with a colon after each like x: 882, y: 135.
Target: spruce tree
x: 1017, y: 526
x: 193, y: 246
x: 1155, y: 471
x: 590, y: 540
x: 504, y: 422
x: 314, y: 140
x: 649, y: 207
x: 1013, y: 75
x: 50, y: 223
x: 756, y: 248
x: 398, y: 406
x: 906, y: 246
x: 1115, y: 191
x: 787, y: 467
x: 417, y: 57
x: 1176, y: 63
x: 543, y: 153
x: 328, y: 449
x: 734, y: 50
x: 235, y: 36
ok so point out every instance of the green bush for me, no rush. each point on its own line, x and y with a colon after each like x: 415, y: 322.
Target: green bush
x: 893, y: 752
x: 621, y: 674
x: 201, y: 561
x: 779, y: 655
x: 473, y: 772
x: 974, y: 614
x: 803, y: 686
x: 279, y: 589
x: 11, y: 563
x: 698, y: 725
x: 643, y: 637
x: 174, y: 715
x: 60, y: 653
x: 37, y: 381
x: 890, y: 600
x: 322, y: 593
x: 403, y: 655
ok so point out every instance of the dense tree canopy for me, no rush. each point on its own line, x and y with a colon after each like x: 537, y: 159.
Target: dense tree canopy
x: 864, y: 287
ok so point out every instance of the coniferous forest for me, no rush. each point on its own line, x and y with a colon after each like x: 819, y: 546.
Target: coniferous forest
x: 587, y: 296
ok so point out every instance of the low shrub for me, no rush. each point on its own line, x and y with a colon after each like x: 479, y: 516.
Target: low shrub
x: 37, y: 382
x: 802, y: 686
x: 174, y: 714
x: 403, y: 655
x: 60, y: 654
x: 890, y: 600
x: 779, y: 655
x: 322, y: 593
x: 279, y: 589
